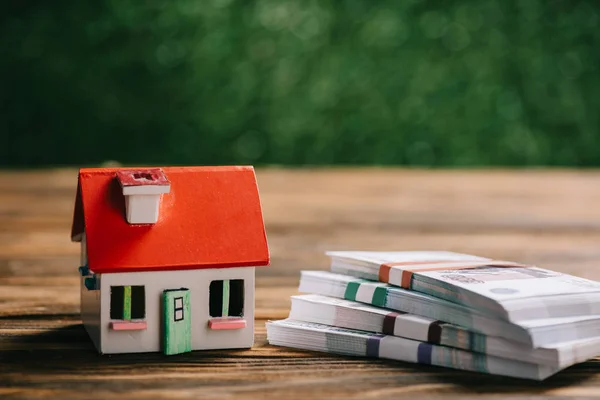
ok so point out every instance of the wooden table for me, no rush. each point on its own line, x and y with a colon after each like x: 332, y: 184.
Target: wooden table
x: 549, y: 218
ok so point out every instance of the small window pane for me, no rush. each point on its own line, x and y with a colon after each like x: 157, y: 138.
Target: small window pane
x: 178, y: 315
x: 179, y: 302
x: 138, y: 302
x: 117, y: 294
x: 215, y: 304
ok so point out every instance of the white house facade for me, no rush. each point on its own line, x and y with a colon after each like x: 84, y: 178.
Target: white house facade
x: 148, y: 335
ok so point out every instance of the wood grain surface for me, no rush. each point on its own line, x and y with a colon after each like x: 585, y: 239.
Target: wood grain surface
x: 550, y: 218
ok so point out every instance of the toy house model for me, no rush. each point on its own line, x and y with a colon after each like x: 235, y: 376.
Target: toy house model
x: 168, y: 257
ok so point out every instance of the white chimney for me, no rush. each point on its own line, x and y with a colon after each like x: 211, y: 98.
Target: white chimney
x: 142, y: 190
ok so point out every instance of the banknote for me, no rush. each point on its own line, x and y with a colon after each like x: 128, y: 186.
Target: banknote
x: 511, y: 291
x: 353, y: 315
x: 335, y: 340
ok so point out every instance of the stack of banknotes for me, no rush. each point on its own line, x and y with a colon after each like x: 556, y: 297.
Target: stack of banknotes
x: 445, y: 309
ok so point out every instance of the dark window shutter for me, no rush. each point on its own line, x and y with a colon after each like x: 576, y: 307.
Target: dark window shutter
x: 215, y: 293
x: 138, y: 302
x: 236, y: 298
x: 117, y: 295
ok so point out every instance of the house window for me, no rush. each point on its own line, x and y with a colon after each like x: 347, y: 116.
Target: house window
x: 178, y: 308
x: 127, y: 302
x: 226, y: 298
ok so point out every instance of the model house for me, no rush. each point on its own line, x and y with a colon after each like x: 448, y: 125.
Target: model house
x: 168, y: 257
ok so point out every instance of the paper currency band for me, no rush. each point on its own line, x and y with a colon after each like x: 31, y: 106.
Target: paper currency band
x: 389, y: 323
x: 366, y: 292
x: 424, y: 353
x: 424, y: 350
x: 434, y: 331
x: 406, y: 269
x: 434, y: 334
x: 373, y: 345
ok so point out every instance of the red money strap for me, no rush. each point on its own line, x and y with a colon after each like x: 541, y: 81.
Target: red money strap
x: 438, y: 265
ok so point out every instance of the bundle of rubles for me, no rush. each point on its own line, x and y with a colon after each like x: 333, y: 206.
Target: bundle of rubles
x: 445, y: 309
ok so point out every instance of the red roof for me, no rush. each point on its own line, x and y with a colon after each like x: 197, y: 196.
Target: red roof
x: 211, y: 218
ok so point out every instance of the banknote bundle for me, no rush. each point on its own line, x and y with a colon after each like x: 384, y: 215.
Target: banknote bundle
x: 350, y: 342
x: 508, y: 290
x: 379, y: 305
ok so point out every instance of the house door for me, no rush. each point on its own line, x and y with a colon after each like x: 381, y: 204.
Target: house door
x: 177, y: 321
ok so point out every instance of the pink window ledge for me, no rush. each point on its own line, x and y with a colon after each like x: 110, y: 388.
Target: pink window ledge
x: 128, y: 325
x: 227, y: 323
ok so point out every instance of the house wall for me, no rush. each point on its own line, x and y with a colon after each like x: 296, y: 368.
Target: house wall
x: 198, y: 281
x: 90, y: 312
x: 90, y: 303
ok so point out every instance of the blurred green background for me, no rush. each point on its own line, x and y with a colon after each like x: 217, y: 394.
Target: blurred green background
x: 300, y: 82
